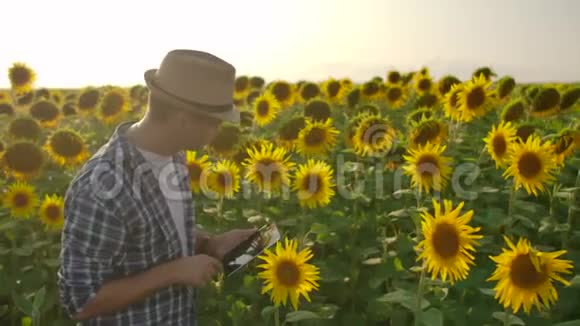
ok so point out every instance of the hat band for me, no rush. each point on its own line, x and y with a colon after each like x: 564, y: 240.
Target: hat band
x: 209, y: 108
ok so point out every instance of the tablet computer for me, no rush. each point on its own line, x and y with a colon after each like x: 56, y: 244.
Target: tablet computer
x: 244, y: 253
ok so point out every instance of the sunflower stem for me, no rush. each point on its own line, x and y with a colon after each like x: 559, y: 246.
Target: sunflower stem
x: 220, y: 207
x: 277, y: 317
x: 573, y: 211
x: 506, y: 317
x: 418, y: 308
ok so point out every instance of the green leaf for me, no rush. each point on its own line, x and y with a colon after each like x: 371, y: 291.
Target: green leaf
x: 39, y: 299
x: 7, y: 224
x: 569, y: 323
x: 405, y: 298
x: 575, y: 282
x: 299, y: 315
x: 432, y: 317
x: 319, y: 228
x: 404, y: 212
x: 267, y: 312
x: 490, y: 292
x: 22, y: 304
x: 23, y: 252
x: 512, y: 320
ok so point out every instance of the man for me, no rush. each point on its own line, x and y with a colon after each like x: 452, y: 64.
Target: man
x: 130, y: 252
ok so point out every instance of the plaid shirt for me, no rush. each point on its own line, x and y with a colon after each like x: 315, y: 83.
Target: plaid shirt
x: 117, y: 223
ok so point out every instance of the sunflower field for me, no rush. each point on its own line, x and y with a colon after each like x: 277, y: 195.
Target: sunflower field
x: 403, y: 200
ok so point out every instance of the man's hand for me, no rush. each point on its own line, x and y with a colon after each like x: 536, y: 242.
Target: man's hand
x: 221, y: 244
x: 196, y: 270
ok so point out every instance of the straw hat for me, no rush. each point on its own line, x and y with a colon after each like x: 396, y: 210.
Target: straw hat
x: 196, y: 81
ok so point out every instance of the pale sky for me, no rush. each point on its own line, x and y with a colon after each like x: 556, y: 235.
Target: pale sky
x: 81, y: 43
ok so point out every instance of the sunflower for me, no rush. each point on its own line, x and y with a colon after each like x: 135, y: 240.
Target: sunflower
x: 283, y: 92
x: 2, y: 147
x: 474, y: 99
x: 371, y: 90
x: 313, y: 184
x: 265, y: 109
x: 114, y: 104
x: 88, y: 100
x: 352, y: 127
x: 546, y: 103
x: 57, y: 97
x: 252, y: 96
x: 23, y: 100
x: 241, y: 86
x: 513, y: 111
x: 569, y: 98
x: 46, y: 112
x: 24, y: 128
x: 66, y: 147
x: 498, y: 142
x: 346, y: 82
x: 526, y: 276
x: 368, y: 109
x: 317, y: 109
x: 23, y: 159
x: 484, y: 72
x: 6, y: 109
x: 257, y: 82
x: 198, y: 168
x: 268, y: 168
x: 396, y: 96
x: 226, y: 141
x: 505, y: 87
x: 288, y: 133
x: 421, y: 113
x: 531, y: 164
x: 52, y: 212
x: 309, y: 91
x: 564, y: 145
x: 449, y: 241
x: 287, y: 273
x: 427, y: 167
x: 249, y: 143
x: 431, y: 130
x: 393, y: 77
x: 69, y: 109
x: 373, y: 136
x: 353, y: 97
x: 445, y: 83
x: 333, y: 90
x: 423, y: 84
x: 429, y: 100
x: 5, y: 97
x: 451, y: 102
x: 21, y: 199
x: 21, y: 77
x: 524, y: 131
x: 316, y: 138
x: 224, y: 179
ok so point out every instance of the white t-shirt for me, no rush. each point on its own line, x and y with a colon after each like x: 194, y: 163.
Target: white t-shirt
x: 164, y: 170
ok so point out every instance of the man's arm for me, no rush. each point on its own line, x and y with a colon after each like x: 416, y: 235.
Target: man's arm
x: 202, y: 240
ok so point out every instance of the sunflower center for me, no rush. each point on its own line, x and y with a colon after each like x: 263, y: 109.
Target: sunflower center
x: 427, y: 100
x: 394, y: 93
x: 317, y: 110
x: 353, y: 97
x: 514, y: 112
x: 546, y: 100
x: 268, y: 171
x: 25, y: 128
x: 88, y: 100
x: 427, y: 165
x: 252, y: 96
x: 288, y: 273
x: 44, y: 111
x: 281, y: 91
x: 194, y: 171
x: 454, y: 98
x: 524, y: 275
x: 52, y: 212
x: 475, y: 98
x: 263, y: 108
x: 427, y: 133
x: 291, y: 130
x: 424, y: 84
x: 499, y: 145
x: 506, y: 87
x: 333, y: 88
x: 224, y: 179
x: 309, y: 91
x: 20, y: 76
x: 371, y: 88
x: 112, y: 104
x: 445, y: 240
x: 20, y: 200
x: 24, y: 158
x: 315, y: 136
x: 394, y: 77
x: 242, y: 84
x: 66, y: 144
x: 312, y: 183
x: 6, y: 109
x: 529, y: 165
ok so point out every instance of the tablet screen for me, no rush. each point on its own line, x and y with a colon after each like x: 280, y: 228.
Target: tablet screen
x: 266, y: 237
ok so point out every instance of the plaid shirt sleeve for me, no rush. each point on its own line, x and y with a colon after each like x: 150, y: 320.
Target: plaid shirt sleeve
x: 92, y: 241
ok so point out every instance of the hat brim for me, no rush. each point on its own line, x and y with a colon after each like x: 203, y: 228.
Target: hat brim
x: 232, y: 115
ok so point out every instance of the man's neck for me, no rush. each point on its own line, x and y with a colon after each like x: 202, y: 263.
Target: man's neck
x: 150, y: 137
